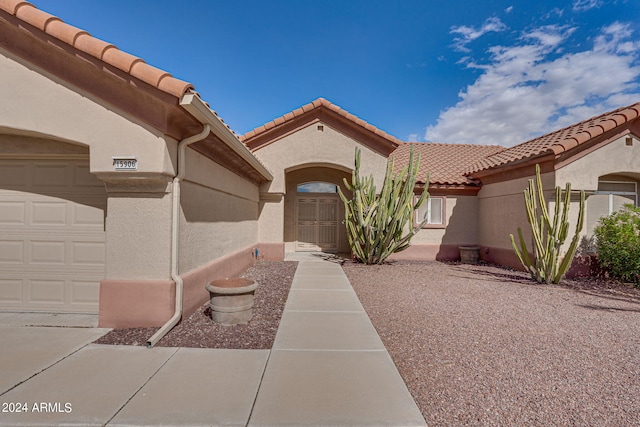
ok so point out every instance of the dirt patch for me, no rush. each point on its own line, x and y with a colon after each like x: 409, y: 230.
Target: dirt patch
x: 198, y: 330
x: 482, y: 345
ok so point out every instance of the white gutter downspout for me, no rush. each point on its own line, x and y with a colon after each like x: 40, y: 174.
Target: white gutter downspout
x: 175, y: 234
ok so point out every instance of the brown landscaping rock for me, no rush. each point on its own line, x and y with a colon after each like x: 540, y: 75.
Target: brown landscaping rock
x: 486, y: 346
x: 198, y: 330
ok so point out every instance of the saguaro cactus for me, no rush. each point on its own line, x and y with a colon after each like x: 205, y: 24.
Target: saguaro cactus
x: 375, y: 223
x: 549, y: 234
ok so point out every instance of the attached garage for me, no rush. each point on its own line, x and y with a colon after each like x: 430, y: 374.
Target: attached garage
x: 52, y: 239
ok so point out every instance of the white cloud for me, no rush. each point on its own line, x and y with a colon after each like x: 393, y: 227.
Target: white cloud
x: 469, y: 34
x: 413, y: 137
x: 508, y: 10
x: 582, y: 5
x: 527, y: 89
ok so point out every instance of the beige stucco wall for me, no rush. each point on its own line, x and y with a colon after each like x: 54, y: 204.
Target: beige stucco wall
x: 38, y: 104
x: 501, y: 210
x: 616, y: 160
x: 461, y: 224
x: 219, y: 212
x: 308, y: 147
x: 138, y: 228
x: 613, y: 158
x: 138, y: 219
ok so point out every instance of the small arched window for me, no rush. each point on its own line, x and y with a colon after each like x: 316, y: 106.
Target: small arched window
x: 317, y: 187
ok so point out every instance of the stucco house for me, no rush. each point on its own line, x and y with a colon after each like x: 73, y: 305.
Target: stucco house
x: 122, y: 192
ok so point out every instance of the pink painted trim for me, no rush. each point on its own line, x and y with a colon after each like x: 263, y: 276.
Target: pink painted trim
x: 428, y: 253
x: 194, y: 281
x: 582, y: 266
x: 500, y: 256
x: 147, y: 303
x: 136, y: 303
x: 271, y: 251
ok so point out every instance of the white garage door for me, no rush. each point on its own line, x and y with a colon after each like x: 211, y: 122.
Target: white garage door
x: 52, y: 240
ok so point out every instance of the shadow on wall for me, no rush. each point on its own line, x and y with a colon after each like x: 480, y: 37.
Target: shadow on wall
x: 461, y: 228
x: 201, y: 204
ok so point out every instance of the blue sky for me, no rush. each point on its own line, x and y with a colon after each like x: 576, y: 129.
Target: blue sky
x: 486, y: 72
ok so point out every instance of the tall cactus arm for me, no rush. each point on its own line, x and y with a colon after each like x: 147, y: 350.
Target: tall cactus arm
x: 548, y: 233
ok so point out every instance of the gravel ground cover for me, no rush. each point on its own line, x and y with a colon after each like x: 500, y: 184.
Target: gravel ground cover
x: 486, y: 346
x: 198, y: 330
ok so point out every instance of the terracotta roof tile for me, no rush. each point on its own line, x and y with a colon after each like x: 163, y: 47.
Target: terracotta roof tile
x: 64, y: 32
x: 91, y: 45
x: 119, y: 59
x: 28, y: 13
x: 147, y: 73
x: 97, y: 48
x: 561, y: 140
x: 389, y: 142
x: 318, y: 103
x: 445, y: 164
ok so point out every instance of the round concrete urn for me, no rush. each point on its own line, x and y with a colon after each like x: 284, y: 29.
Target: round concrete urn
x: 231, y: 300
x: 469, y: 254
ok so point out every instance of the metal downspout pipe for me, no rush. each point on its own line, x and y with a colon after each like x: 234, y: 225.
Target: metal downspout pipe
x: 175, y: 235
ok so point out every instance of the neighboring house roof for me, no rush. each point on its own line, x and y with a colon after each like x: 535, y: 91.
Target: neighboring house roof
x: 320, y: 109
x: 445, y: 164
x: 560, y: 141
x: 95, y: 47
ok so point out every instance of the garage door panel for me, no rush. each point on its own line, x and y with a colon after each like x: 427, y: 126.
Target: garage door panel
x: 82, y: 177
x: 87, y: 216
x: 11, y: 291
x: 14, y: 175
x: 50, y: 175
x: 52, y: 240
x: 49, y: 213
x: 87, y: 253
x: 49, y: 291
x: 84, y: 293
x: 12, y: 252
x: 12, y: 213
x: 46, y: 252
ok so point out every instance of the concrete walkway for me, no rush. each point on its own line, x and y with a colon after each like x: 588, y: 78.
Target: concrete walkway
x: 327, y: 367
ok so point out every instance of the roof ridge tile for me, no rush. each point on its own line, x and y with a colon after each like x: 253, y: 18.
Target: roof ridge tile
x: 318, y: 103
x: 11, y: 6
x: 92, y: 45
x: 34, y: 16
x: 120, y: 59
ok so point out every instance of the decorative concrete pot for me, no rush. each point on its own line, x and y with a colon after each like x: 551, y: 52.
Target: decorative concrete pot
x: 231, y: 300
x: 469, y: 254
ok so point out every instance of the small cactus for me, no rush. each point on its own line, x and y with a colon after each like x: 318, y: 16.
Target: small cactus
x: 375, y: 223
x: 549, y: 234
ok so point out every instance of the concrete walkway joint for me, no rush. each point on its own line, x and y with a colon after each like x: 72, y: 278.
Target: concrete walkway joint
x: 327, y: 367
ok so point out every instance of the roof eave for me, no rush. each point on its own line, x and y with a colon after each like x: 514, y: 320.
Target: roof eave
x: 198, y: 109
x: 325, y: 111
x: 506, y: 168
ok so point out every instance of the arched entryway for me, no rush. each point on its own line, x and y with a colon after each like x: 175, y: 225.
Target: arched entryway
x: 314, y: 213
x: 613, y: 192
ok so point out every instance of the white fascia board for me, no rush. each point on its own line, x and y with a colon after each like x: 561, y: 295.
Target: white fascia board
x: 198, y: 109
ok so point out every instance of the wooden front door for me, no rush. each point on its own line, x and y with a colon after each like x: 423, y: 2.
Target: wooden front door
x: 317, y: 223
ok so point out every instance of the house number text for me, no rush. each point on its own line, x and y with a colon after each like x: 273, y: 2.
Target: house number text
x: 125, y: 163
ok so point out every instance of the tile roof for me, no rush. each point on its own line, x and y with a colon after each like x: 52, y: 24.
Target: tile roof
x: 561, y: 140
x: 85, y: 42
x: 446, y: 164
x: 318, y: 103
